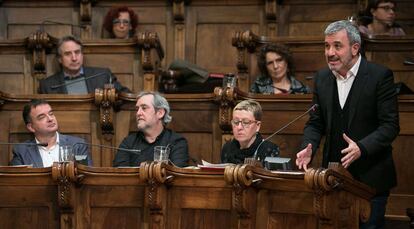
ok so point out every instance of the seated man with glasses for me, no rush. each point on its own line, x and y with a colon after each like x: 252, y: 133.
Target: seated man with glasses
x: 379, y: 19
x: 247, y: 116
x: 121, y: 22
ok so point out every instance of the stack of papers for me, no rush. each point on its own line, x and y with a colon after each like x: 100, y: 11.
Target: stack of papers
x: 210, y: 166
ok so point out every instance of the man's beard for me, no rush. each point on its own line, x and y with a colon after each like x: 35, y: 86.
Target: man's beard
x: 142, y: 127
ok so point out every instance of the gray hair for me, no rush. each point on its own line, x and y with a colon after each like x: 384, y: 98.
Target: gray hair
x: 352, y: 32
x: 66, y: 39
x: 159, y: 103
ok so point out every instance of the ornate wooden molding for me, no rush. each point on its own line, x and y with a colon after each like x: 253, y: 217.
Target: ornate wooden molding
x: 64, y: 173
x: 155, y: 175
x: 227, y: 98
x: 151, y: 56
x: 179, y: 10
x: 271, y: 9
x: 39, y: 43
x: 85, y: 17
x: 241, y: 177
x: 152, y: 51
x: 245, y: 43
x: 105, y: 99
x: 85, y: 11
x: 324, y: 182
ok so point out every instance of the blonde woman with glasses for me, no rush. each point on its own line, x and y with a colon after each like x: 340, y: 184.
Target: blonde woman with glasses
x: 246, y: 122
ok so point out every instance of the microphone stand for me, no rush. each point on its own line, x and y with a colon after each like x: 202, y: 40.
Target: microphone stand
x: 135, y: 151
x: 254, y: 160
x: 80, y: 79
x: 25, y: 144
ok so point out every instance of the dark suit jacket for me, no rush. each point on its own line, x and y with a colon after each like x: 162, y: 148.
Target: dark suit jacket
x: 103, y: 76
x: 373, y: 122
x: 29, y: 154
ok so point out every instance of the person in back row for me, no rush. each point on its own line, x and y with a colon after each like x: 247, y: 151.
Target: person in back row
x: 74, y: 78
x: 152, y: 116
x: 275, y: 63
x: 41, y: 121
x: 121, y: 22
x: 379, y: 19
x: 246, y: 122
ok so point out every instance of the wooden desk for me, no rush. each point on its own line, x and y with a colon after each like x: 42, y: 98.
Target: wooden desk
x: 206, y: 130
x: 157, y: 195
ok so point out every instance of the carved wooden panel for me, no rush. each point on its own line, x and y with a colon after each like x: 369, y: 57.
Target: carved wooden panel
x: 309, y: 18
x: 36, y: 203
x: 213, y: 26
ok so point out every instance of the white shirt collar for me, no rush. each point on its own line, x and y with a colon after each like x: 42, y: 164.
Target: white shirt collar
x: 352, y: 72
x: 45, y: 148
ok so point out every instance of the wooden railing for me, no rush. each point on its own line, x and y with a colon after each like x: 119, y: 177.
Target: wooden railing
x: 157, y: 195
x: 204, y: 119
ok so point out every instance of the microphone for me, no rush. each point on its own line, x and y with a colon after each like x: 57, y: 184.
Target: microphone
x: 44, y: 144
x: 79, y: 80
x: 135, y: 151
x: 408, y: 62
x: 312, y: 108
x: 44, y: 22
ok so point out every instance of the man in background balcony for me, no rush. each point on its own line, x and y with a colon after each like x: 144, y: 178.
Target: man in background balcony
x: 74, y: 78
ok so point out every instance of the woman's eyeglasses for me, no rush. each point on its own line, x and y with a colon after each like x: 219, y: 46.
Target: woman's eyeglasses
x: 387, y: 8
x: 245, y: 123
x: 120, y: 21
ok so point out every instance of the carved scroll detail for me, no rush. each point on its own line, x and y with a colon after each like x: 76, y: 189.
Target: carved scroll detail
x: 151, y: 56
x: 226, y: 97
x: 105, y: 98
x: 325, y: 182
x: 64, y: 173
x: 155, y: 174
x: 179, y: 10
x: 241, y: 177
x: 39, y: 43
x: 271, y: 9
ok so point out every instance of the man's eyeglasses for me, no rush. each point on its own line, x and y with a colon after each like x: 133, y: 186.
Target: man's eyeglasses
x: 245, y: 123
x: 120, y: 21
x: 387, y: 8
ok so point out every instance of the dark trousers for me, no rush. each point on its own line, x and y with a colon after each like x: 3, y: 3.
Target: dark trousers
x: 377, y: 218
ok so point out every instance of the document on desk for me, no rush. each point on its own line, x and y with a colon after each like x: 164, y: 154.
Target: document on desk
x: 211, y: 166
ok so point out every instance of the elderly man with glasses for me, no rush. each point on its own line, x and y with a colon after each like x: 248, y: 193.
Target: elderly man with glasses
x: 247, y: 116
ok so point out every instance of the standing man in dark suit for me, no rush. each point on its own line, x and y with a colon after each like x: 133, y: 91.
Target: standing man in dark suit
x: 358, y: 115
x: 74, y: 78
x: 41, y: 121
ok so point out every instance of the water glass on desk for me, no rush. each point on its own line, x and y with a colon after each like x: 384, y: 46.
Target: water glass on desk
x: 161, y: 153
x: 66, y: 153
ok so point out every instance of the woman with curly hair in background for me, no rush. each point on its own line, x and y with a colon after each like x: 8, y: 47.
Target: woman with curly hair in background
x: 121, y: 22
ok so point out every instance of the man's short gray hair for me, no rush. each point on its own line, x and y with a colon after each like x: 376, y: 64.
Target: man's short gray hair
x: 351, y: 30
x: 159, y: 103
